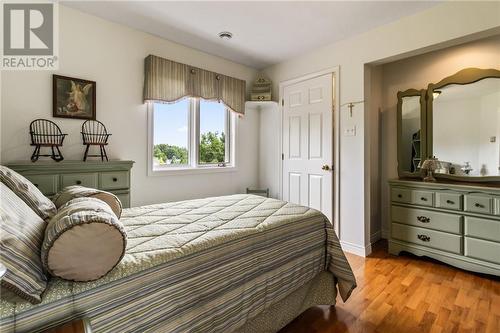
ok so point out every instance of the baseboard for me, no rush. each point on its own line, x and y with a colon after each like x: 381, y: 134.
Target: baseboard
x: 356, y: 249
x: 375, y: 237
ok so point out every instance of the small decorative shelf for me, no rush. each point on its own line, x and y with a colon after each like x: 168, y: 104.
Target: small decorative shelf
x: 261, y: 104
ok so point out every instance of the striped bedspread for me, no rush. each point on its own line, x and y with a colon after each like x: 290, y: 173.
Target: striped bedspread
x: 205, y: 265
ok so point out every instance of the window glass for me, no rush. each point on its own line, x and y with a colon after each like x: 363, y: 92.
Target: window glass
x: 213, y: 136
x: 171, y: 133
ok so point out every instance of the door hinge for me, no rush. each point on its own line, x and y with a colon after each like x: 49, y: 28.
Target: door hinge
x: 282, y: 102
x: 282, y: 157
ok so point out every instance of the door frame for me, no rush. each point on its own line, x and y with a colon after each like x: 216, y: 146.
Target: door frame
x: 335, y: 71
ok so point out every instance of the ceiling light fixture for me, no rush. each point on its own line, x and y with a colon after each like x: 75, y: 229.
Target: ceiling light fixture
x: 225, y: 35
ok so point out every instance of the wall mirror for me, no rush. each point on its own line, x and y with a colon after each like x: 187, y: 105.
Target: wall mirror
x: 411, y: 111
x: 463, y: 122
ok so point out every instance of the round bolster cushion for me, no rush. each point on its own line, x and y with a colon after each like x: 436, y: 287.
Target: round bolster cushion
x: 83, y: 241
x: 75, y: 191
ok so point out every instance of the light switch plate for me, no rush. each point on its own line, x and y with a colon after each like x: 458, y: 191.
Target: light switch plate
x: 350, y: 131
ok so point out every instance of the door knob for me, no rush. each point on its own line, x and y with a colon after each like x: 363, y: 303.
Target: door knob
x: 325, y: 167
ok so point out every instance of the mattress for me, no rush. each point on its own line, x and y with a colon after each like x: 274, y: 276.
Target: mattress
x: 206, y: 265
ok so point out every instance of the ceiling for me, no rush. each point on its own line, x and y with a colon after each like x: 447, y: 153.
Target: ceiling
x: 264, y: 33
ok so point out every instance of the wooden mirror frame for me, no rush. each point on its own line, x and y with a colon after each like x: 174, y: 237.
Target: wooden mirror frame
x: 423, y: 129
x: 463, y: 77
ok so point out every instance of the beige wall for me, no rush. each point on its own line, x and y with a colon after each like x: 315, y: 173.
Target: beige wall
x: 417, y: 72
x: 113, y: 56
x: 430, y: 29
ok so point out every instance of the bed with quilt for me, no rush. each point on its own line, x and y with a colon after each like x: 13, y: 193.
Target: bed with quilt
x: 237, y: 263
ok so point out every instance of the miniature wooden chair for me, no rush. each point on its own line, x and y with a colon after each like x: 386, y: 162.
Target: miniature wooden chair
x: 45, y: 133
x: 94, y: 133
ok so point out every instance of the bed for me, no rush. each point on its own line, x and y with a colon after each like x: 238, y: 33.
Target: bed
x: 239, y: 263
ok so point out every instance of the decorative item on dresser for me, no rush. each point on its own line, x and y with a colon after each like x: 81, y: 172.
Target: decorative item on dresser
x: 456, y: 223
x: 430, y: 165
x: 94, y: 133
x: 46, y: 133
x: 112, y: 176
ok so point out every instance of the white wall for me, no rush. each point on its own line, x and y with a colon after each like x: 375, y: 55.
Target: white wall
x: 269, y: 148
x: 113, y: 56
x: 441, y: 24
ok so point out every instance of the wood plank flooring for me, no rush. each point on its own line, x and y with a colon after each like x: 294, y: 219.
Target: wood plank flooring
x: 407, y: 294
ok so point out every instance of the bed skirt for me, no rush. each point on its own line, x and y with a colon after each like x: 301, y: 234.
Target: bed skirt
x: 319, y: 291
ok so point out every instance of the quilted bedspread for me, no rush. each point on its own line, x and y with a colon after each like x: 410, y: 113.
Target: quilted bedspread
x: 204, y: 265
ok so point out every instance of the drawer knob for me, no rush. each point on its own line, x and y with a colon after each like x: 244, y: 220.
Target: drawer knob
x: 400, y: 195
x: 423, y: 198
x: 78, y: 182
x: 115, y: 179
x: 423, y: 219
x: 424, y: 238
x: 450, y: 202
x: 478, y: 205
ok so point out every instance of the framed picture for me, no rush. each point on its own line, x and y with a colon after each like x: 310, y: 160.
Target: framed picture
x: 73, y: 98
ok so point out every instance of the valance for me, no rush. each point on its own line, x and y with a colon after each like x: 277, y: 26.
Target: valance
x: 169, y: 81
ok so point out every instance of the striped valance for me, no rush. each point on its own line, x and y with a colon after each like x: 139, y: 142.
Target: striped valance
x: 168, y: 81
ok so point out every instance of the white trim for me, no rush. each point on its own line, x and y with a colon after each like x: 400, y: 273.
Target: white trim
x: 375, y: 237
x: 335, y: 71
x: 356, y: 249
x: 191, y: 171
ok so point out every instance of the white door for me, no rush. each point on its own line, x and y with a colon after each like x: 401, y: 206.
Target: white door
x: 307, y: 143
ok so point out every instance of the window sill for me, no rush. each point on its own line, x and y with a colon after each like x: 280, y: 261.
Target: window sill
x: 190, y: 171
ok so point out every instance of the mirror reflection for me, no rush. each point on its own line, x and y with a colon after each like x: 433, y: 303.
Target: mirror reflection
x: 466, y: 128
x: 410, y: 133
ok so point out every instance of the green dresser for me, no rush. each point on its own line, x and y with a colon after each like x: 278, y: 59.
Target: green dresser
x: 50, y: 177
x: 454, y: 223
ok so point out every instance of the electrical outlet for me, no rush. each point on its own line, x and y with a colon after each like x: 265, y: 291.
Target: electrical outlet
x: 350, y: 131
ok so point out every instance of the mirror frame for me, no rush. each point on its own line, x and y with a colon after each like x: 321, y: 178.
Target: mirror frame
x: 423, y: 129
x: 463, y: 77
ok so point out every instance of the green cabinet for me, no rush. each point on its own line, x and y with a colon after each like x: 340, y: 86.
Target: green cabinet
x: 50, y: 177
x: 454, y: 223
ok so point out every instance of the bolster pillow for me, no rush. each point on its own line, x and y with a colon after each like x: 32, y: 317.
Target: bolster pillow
x: 71, y: 192
x: 83, y: 241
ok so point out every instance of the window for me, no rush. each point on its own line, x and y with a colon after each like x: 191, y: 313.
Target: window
x: 191, y: 134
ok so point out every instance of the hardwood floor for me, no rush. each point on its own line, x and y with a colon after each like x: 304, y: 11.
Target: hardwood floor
x: 406, y: 294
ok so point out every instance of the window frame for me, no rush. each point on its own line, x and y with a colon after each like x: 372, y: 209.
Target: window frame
x: 193, y: 166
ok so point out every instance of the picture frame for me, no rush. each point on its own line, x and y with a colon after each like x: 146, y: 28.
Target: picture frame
x: 73, y: 98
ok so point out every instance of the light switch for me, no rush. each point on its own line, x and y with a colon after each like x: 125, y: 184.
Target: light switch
x: 350, y: 131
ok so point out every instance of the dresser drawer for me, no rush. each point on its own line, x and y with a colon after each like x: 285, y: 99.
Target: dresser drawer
x: 124, y: 199
x: 113, y: 180
x: 426, y: 237
x: 482, y: 228
x: 423, y: 198
x: 482, y: 250
x: 427, y: 219
x: 47, y: 184
x: 479, y: 203
x: 400, y: 195
x: 496, y: 201
x: 449, y: 200
x: 83, y: 179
